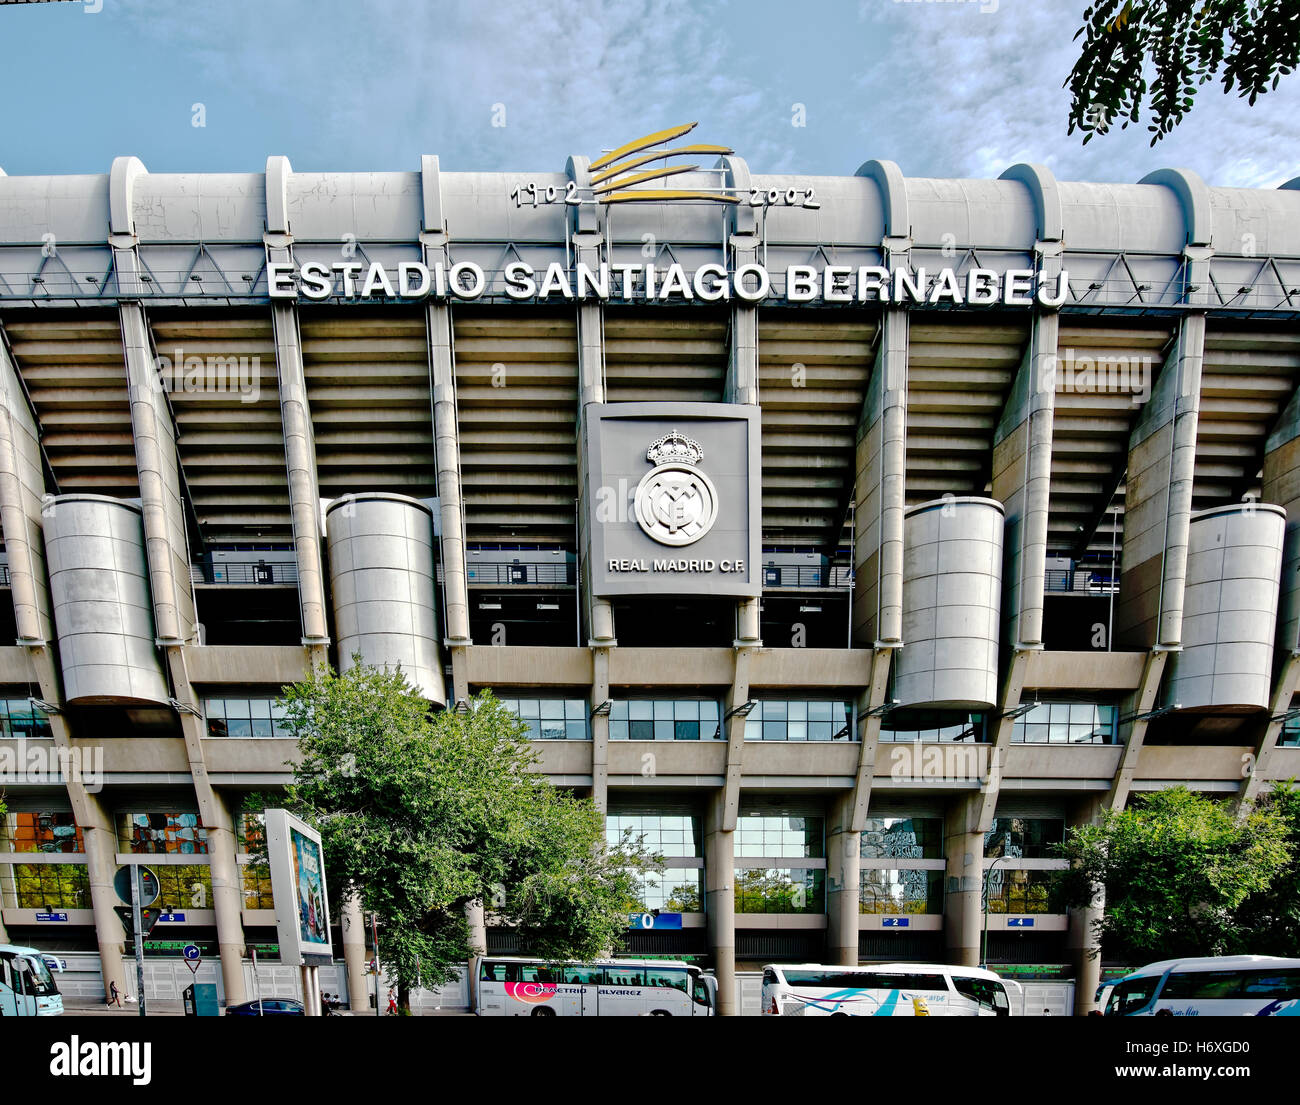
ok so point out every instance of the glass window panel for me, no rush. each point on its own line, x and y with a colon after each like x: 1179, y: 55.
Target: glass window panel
x: 663, y: 710
x: 552, y: 709
x: 617, y: 730
x: 709, y: 710
x: 619, y: 710
x: 552, y: 730
x: 686, y: 710
x: 686, y: 730
x: 773, y: 709
x: 774, y: 730
x: 753, y: 729
x: 641, y: 730
x: 663, y: 729
x: 262, y: 727
x: 259, y: 707
x: 641, y: 710
x: 821, y: 711
x: 282, y: 729
x: 239, y: 727
x: 575, y: 709
x: 797, y: 731
x: 237, y: 708
x: 797, y: 711
x: 529, y: 708
x: 217, y: 727
x: 214, y: 707
x: 575, y: 730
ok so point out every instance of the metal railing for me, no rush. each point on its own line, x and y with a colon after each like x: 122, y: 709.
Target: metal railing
x: 522, y: 573
x: 1081, y: 581
x: 245, y: 573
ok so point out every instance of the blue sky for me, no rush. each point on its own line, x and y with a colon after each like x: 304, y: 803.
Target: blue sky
x: 955, y: 88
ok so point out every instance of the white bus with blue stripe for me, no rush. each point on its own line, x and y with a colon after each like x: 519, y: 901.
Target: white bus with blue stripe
x: 1217, y: 986
x: 882, y: 990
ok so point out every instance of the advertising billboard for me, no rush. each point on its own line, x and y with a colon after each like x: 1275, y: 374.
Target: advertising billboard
x: 297, y: 864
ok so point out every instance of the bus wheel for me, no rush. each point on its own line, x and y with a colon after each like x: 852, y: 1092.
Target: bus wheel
x: 542, y: 1011
x: 661, y: 1013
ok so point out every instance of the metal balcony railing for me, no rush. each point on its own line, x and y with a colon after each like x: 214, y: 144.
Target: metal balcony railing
x: 1081, y: 581
x: 244, y: 573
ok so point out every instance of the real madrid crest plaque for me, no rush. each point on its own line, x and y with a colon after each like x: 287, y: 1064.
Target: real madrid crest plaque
x: 673, y: 505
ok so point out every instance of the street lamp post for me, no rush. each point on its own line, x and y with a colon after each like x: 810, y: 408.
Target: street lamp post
x: 984, y: 958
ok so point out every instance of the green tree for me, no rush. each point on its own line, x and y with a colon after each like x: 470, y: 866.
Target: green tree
x: 1270, y: 919
x: 1176, y: 869
x: 423, y: 813
x: 1159, y: 52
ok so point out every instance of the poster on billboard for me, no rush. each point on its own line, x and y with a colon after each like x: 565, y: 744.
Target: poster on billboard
x: 297, y: 864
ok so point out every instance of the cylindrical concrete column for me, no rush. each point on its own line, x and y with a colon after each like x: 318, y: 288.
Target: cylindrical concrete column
x: 101, y: 846
x: 476, y: 920
x: 720, y: 895
x: 843, y: 884
x: 963, y: 906
x: 354, y: 953
x: 952, y: 594
x: 227, y: 901
x: 381, y: 564
x: 103, y: 614
x: 1081, y: 936
x: 1234, y: 562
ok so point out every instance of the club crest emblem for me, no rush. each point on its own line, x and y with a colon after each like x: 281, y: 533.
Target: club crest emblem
x: 676, y: 503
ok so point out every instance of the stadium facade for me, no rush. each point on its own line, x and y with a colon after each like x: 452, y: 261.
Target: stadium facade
x: 850, y: 540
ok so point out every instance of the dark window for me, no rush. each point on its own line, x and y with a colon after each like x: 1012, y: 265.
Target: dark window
x: 1131, y: 996
x: 624, y: 976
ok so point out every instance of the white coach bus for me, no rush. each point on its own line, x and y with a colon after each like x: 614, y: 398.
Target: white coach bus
x: 1218, y: 986
x: 514, y: 987
x: 27, y: 989
x: 882, y: 990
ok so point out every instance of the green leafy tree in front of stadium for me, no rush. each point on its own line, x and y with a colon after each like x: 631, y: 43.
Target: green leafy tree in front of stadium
x: 425, y: 812
x: 1270, y: 918
x: 1176, y: 869
x: 1157, y: 53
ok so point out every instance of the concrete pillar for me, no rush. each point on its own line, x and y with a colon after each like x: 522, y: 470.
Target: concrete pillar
x: 101, y: 847
x: 843, y: 882
x: 227, y: 902
x: 599, y: 729
x: 1081, y: 940
x: 880, y: 482
x: 720, y: 901
x: 741, y: 384
x: 446, y: 432
x: 963, y: 905
x: 296, y: 424
x: 354, y: 953
x: 223, y: 864
x: 1158, y: 498
x: 596, y: 613
x: 476, y: 919
x: 154, y: 432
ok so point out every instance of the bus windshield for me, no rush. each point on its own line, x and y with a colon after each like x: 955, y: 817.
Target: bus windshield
x: 1131, y: 995
x: 34, y: 976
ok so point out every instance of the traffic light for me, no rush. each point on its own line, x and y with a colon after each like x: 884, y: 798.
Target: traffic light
x: 148, y: 918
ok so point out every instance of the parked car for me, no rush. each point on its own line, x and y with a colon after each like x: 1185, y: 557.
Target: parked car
x: 269, y: 1007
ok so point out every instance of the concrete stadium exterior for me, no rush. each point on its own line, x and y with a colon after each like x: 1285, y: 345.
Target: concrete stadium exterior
x: 849, y: 540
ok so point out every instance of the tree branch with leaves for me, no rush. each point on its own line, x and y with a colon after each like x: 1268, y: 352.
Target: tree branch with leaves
x: 1155, y: 54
